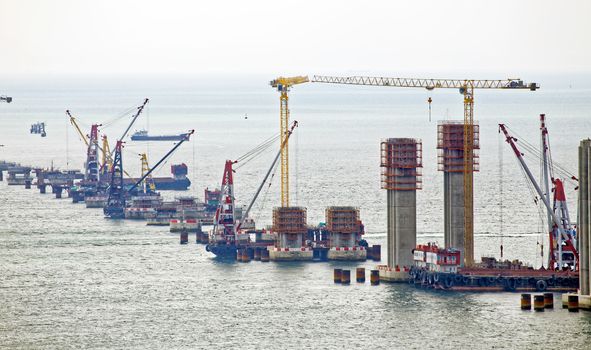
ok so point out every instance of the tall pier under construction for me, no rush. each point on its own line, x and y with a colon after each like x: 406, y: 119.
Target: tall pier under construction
x: 584, y: 228
x: 401, y: 162
x: 451, y: 160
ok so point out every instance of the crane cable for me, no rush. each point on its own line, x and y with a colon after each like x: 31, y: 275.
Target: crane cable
x: 297, y: 167
x: 270, y: 182
x: 501, y: 191
x: 537, y: 201
x: 256, y: 151
x: 555, y: 167
x: 119, y: 116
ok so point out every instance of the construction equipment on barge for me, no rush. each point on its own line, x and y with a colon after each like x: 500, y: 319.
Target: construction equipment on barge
x: 441, y: 268
x: 117, y: 193
x: 227, y: 238
x: 562, y: 233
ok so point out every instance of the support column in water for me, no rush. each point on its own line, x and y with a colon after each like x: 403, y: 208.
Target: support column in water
x: 401, y: 162
x: 584, y: 216
x: 450, y: 142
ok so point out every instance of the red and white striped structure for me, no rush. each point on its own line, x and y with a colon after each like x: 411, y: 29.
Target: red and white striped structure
x: 224, y: 229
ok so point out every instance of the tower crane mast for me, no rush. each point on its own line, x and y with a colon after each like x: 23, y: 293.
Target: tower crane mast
x: 466, y: 88
x: 107, y: 159
x: 283, y: 85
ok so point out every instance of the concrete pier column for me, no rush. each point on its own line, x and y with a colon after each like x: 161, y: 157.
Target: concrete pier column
x: 450, y: 142
x: 401, y: 160
x: 402, y: 227
x: 584, y: 216
x: 453, y: 211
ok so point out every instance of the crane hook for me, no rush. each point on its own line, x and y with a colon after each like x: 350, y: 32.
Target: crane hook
x: 429, y: 100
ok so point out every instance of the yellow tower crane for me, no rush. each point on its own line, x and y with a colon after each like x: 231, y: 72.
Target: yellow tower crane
x: 107, y: 160
x: 466, y: 88
x: 148, y: 183
x: 283, y: 85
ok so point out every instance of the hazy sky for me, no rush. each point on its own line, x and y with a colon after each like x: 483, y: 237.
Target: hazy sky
x: 293, y: 37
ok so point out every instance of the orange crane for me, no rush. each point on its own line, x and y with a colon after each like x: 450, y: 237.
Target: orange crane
x: 283, y: 85
x: 466, y: 88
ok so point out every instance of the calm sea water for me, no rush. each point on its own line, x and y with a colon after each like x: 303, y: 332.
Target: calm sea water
x: 70, y: 278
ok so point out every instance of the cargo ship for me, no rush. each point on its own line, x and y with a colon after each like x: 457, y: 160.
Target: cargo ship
x: 142, y: 135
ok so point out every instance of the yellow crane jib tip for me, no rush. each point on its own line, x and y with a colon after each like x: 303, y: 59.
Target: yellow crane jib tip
x: 286, y: 82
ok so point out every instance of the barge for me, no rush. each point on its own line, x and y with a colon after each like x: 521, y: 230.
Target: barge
x: 439, y: 268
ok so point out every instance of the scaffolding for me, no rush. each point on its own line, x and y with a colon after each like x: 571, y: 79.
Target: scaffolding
x: 343, y: 219
x: 450, y: 143
x: 401, y: 162
x: 291, y: 220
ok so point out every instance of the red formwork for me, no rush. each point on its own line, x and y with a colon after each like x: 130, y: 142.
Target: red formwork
x: 450, y: 143
x: 401, y: 162
x: 343, y: 219
x: 292, y: 220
